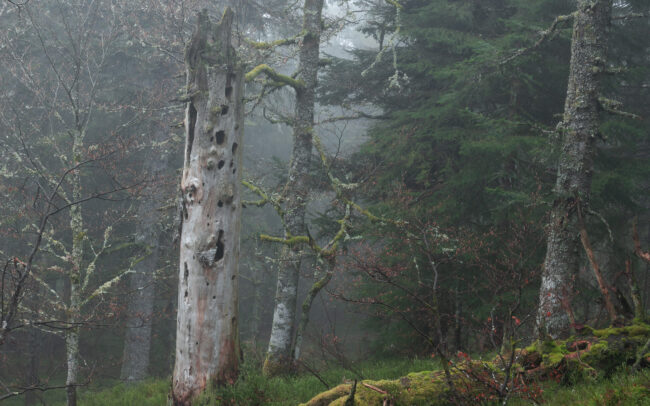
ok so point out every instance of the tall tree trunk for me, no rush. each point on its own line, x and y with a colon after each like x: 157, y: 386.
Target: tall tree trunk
x: 137, y: 341
x: 579, y: 128
x: 73, y: 316
x: 207, y: 340
x: 72, y: 359
x: 279, y: 357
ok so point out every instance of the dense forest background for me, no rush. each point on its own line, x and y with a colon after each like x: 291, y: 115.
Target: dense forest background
x: 427, y: 195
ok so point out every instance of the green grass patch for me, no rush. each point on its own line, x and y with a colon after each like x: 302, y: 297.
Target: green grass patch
x: 252, y: 388
x: 623, y: 388
x: 149, y: 393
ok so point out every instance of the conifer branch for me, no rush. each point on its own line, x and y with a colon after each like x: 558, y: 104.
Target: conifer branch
x: 545, y: 36
x: 613, y: 107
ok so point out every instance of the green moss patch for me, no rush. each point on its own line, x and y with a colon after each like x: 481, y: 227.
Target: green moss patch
x: 597, y: 354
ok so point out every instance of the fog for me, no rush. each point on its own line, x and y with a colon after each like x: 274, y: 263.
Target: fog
x: 221, y: 198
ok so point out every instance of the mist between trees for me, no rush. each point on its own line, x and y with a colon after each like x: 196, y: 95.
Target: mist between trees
x: 187, y: 185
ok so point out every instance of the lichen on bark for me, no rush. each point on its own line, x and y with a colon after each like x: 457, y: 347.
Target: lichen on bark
x: 579, y: 129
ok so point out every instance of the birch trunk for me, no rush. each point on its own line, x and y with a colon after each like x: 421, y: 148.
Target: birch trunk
x: 278, y: 356
x: 579, y: 128
x: 137, y: 341
x: 207, y: 340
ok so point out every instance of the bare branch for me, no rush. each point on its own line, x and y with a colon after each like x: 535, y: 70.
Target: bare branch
x: 631, y: 16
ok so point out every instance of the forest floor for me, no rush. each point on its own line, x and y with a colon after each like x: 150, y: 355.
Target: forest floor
x: 621, y: 388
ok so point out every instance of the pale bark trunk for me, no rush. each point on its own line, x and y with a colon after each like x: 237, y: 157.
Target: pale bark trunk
x: 279, y: 357
x: 72, y: 354
x: 137, y: 341
x: 579, y: 128
x: 207, y: 340
x: 76, y: 227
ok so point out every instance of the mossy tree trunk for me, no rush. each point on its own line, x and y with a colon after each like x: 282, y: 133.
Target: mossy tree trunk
x: 207, y: 340
x: 579, y: 129
x: 279, y: 357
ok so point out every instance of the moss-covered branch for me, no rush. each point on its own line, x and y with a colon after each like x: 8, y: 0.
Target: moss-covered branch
x: 598, y: 352
x: 258, y: 191
x: 274, y: 44
x: 336, y: 183
x: 265, y: 198
x: 339, y: 187
x: 332, y: 245
x: 273, y: 75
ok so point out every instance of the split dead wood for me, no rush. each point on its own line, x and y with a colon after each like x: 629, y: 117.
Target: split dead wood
x: 637, y: 245
x: 584, y: 237
x: 376, y: 389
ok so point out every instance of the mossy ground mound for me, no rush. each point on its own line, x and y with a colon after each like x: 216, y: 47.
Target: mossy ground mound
x: 590, y: 355
x: 413, y: 389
